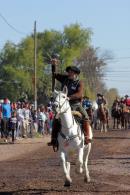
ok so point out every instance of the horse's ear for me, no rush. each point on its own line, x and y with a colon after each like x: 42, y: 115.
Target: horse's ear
x: 65, y: 90
x: 55, y: 93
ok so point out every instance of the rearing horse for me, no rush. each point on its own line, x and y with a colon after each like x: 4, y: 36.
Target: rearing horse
x: 71, y: 138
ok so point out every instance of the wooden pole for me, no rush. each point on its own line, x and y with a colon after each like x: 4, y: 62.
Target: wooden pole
x: 53, y: 77
x: 35, y: 67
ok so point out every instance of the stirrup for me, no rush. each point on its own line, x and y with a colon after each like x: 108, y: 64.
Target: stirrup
x: 50, y: 143
x: 53, y: 143
x: 55, y: 147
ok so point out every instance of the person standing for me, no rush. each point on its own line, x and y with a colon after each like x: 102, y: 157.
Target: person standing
x: 20, y: 118
x: 26, y: 120
x: 13, y: 124
x: 6, y: 115
x: 41, y: 120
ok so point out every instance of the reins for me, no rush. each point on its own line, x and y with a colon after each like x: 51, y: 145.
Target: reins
x: 66, y: 137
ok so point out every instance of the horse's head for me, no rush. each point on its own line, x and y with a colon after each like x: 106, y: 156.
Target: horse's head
x: 61, y: 103
x: 94, y: 105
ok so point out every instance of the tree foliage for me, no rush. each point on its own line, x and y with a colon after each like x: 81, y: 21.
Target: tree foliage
x: 92, y: 66
x: 73, y: 46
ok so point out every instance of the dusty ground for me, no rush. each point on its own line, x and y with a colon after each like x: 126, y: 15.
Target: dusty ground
x: 31, y: 167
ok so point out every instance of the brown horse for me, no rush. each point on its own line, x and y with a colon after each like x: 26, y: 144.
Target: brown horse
x: 125, y: 116
x: 102, y: 116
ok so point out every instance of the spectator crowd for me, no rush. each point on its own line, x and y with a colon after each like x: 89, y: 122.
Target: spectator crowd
x: 22, y: 120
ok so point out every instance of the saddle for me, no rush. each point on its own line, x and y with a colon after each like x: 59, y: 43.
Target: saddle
x: 78, y: 117
x: 76, y: 113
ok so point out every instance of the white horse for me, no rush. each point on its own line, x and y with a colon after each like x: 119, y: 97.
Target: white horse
x: 71, y: 138
x: 96, y: 121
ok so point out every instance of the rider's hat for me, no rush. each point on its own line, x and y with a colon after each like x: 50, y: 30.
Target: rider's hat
x: 99, y: 95
x: 126, y: 96
x: 73, y: 69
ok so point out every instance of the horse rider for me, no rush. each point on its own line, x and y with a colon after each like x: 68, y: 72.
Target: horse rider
x: 116, y: 105
x: 86, y: 103
x: 102, y: 103
x: 101, y: 100
x: 116, y: 102
x: 125, y: 103
x: 75, y: 95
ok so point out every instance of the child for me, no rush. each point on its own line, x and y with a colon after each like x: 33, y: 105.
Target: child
x: 13, y: 124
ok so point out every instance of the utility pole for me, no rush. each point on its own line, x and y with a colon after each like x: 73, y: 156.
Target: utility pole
x: 35, y: 67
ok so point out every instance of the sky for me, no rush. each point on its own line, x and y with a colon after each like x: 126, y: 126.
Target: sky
x: 109, y: 21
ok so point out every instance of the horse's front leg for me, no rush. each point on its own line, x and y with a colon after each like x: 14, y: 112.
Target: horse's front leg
x: 114, y: 122
x: 101, y: 126
x: 105, y: 126
x: 118, y: 123
x: 86, y: 156
x: 66, y: 169
x: 79, y: 164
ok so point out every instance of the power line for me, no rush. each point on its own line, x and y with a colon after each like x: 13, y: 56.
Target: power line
x: 116, y: 80
x: 117, y: 71
x: 114, y: 76
x: 118, y: 58
x: 12, y: 27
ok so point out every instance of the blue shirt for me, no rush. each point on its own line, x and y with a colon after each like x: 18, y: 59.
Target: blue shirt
x: 87, y: 104
x: 6, y: 110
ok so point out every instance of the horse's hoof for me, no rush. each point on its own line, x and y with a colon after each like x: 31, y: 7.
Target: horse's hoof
x: 87, y: 180
x: 6, y: 141
x: 79, y: 171
x: 67, y: 183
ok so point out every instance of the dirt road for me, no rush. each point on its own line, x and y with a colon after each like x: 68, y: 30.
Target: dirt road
x: 31, y: 167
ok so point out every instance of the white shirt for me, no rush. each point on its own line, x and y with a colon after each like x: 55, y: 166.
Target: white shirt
x: 26, y: 113
x: 42, y: 116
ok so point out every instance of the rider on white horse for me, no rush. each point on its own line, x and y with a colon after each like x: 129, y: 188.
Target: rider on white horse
x: 75, y: 94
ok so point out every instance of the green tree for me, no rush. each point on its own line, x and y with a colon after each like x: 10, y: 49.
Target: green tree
x: 17, y: 62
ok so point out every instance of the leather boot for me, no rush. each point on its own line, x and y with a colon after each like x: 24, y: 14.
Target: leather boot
x: 86, y: 129
x: 56, y: 126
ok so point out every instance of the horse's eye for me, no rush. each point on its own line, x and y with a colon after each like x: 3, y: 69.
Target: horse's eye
x: 64, y: 97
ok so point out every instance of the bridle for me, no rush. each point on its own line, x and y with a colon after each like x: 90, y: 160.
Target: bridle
x: 60, y: 106
x: 67, y: 138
